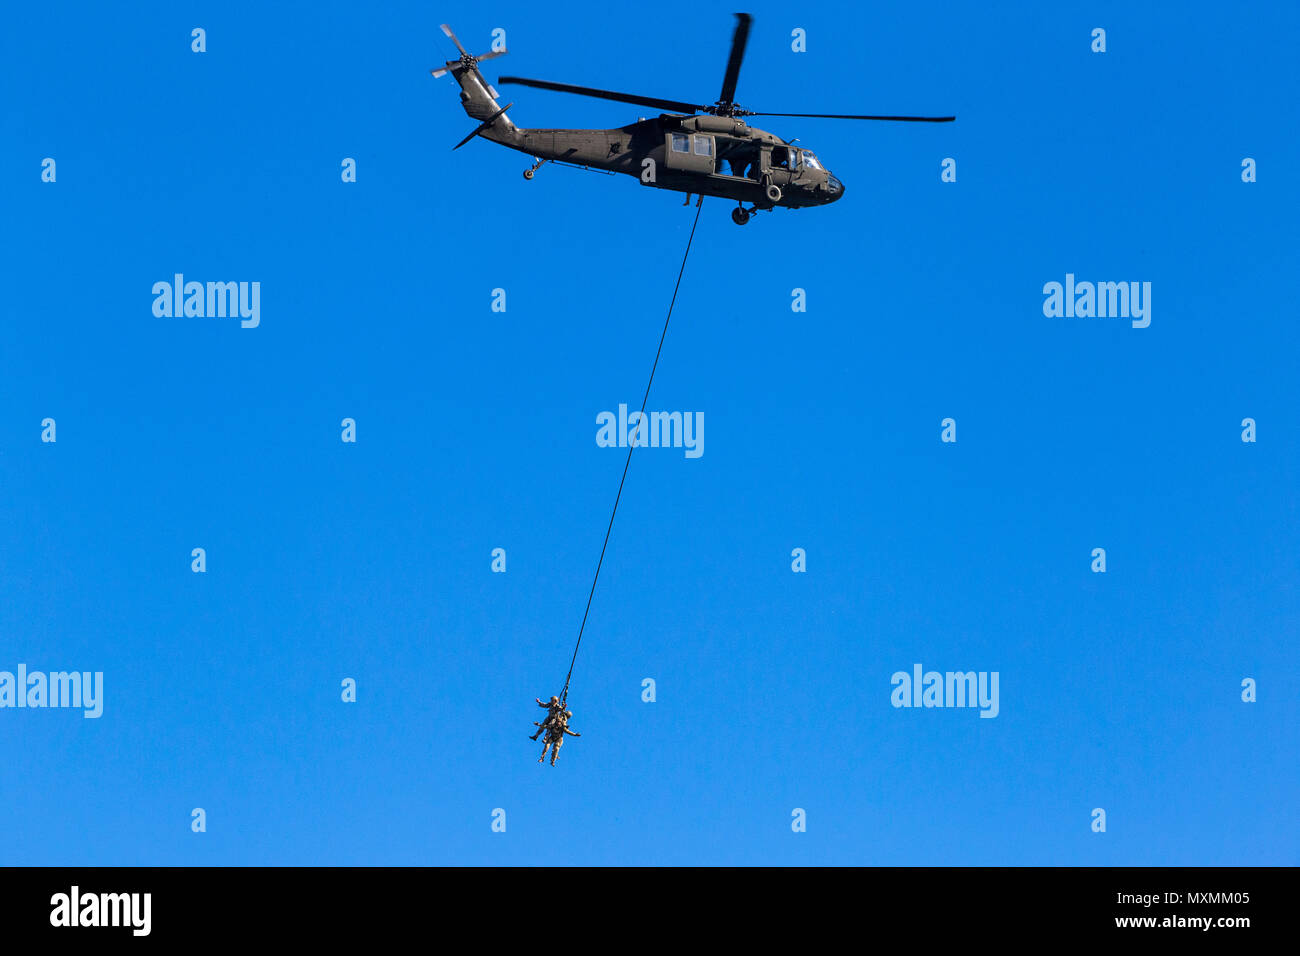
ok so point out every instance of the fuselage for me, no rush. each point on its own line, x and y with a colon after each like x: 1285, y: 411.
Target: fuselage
x: 706, y: 155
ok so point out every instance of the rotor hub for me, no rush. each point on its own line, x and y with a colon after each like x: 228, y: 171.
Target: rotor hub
x: 726, y: 108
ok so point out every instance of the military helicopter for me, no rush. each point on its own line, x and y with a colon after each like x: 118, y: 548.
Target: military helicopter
x: 682, y: 149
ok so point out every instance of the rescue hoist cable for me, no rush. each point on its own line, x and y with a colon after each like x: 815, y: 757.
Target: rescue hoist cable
x: 564, y: 695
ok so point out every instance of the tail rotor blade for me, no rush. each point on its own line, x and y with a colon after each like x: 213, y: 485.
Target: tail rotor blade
x: 451, y: 36
x: 487, y: 56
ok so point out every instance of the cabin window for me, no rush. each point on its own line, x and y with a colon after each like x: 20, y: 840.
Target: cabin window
x: 681, y: 143
x: 703, y: 146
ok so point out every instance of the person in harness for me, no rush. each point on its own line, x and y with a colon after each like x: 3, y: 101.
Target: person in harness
x: 555, y: 736
x: 553, y: 709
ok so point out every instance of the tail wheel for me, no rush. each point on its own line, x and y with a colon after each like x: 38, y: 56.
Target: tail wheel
x: 773, y: 193
x: 528, y: 174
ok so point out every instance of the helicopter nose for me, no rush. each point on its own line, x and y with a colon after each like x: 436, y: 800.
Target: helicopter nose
x: 835, y: 187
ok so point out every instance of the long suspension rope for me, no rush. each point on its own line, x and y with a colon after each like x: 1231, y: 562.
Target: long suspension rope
x: 564, y: 695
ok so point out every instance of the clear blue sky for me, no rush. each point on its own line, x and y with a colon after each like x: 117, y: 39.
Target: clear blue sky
x: 476, y: 430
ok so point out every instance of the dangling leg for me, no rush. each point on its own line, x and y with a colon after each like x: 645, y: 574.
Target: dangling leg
x: 555, y: 749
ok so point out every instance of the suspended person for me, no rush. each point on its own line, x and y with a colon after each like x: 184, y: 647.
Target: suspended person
x: 555, y: 736
x: 553, y: 708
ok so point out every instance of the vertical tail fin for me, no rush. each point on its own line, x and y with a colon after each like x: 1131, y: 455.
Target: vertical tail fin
x: 477, y: 96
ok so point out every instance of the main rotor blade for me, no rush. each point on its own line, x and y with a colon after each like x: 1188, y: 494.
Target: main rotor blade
x: 896, y: 119
x: 447, y: 30
x: 738, y: 41
x: 675, y: 106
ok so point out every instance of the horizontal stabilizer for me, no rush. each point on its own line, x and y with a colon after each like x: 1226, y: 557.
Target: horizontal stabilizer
x: 482, y: 126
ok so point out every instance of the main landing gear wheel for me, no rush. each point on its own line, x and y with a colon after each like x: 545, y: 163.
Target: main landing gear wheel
x: 740, y: 215
x: 773, y: 193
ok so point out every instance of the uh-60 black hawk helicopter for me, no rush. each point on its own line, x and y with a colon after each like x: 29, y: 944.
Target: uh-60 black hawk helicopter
x: 677, y: 150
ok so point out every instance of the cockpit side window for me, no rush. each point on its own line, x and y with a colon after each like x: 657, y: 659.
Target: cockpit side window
x: 809, y: 159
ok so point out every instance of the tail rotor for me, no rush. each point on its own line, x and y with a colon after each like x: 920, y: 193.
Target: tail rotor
x: 466, y: 59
